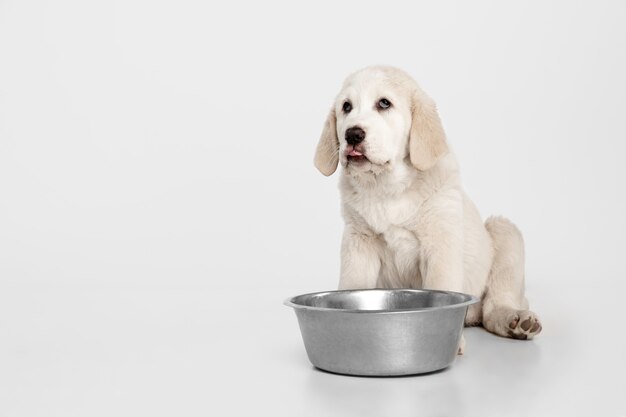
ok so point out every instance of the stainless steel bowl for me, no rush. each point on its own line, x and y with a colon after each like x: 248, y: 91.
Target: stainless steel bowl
x: 381, y: 332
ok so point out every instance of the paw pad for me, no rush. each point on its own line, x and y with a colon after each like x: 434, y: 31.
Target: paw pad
x: 524, y: 325
x: 513, y: 323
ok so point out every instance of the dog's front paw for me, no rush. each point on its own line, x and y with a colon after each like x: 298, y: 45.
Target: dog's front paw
x: 523, y: 324
x: 461, y: 345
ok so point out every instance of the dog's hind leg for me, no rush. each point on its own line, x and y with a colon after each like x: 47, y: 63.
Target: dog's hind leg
x: 505, y: 308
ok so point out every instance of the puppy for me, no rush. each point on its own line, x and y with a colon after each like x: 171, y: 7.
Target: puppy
x: 408, y: 222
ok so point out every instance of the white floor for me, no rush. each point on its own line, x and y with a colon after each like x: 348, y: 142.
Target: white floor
x: 103, y: 351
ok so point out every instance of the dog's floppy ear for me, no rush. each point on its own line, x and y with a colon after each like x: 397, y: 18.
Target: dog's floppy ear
x: 427, y: 140
x: 327, y: 153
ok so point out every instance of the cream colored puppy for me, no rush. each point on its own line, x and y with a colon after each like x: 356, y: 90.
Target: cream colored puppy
x: 408, y: 222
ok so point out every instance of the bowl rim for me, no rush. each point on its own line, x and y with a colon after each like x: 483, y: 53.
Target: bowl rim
x: 470, y: 300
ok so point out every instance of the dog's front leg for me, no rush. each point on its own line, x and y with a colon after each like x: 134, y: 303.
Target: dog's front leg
x: 360, y: 259
x: 441, y: 239
x: 440, y: 233
x: 443, y: 268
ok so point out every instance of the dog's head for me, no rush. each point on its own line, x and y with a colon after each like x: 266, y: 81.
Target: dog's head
x: 380, y: 118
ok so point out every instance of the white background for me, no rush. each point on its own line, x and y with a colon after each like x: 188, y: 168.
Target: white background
x: 158, y: 200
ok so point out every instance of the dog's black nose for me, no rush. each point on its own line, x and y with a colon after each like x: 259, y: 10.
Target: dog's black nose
x: 355, y: 135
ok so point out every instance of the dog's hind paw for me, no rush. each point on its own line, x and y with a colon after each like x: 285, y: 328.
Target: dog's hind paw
x: 524, y: 325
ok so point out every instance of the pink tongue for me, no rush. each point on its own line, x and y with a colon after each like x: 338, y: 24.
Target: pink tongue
x: 354, y: 152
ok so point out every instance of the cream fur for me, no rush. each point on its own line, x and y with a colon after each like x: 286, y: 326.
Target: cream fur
x: 408, y: 222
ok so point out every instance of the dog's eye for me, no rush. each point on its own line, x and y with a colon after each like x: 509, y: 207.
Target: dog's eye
x: 347, y: 107
x: 383, y: 103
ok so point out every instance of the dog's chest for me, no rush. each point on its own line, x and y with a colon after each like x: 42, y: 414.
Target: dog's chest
x: 395, y: 219
x: 386, y: 214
